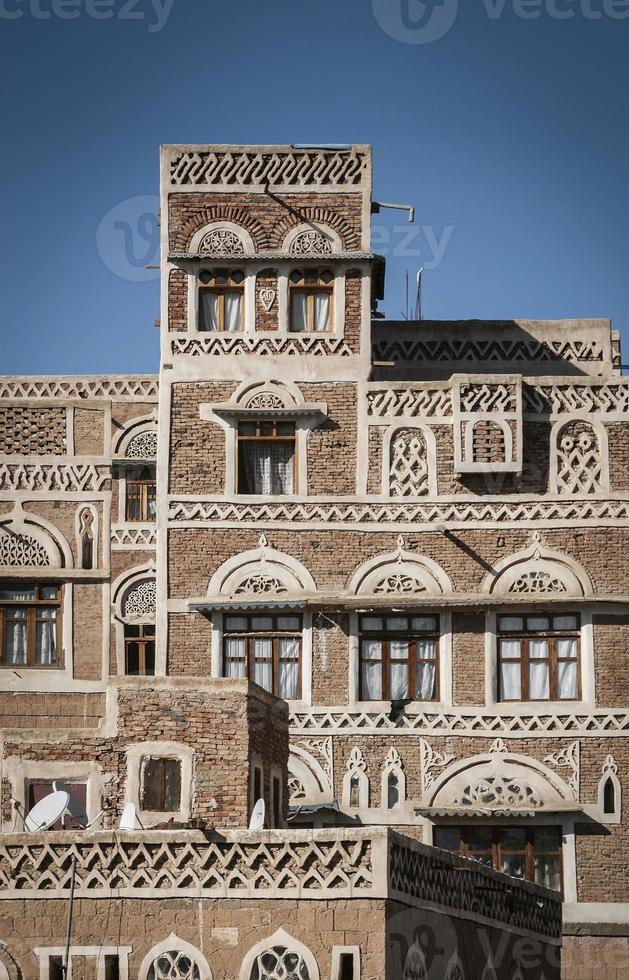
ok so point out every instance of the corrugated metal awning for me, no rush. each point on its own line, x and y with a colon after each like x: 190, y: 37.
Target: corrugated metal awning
x: 215, y: 605
x: 477, y: 813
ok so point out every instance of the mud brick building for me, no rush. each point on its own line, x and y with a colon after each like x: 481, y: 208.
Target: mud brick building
x: 372, y: 572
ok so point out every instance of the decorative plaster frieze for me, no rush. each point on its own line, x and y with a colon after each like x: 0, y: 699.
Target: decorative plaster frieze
x: 220, y: 345
x: 240, y: 168
x: 342, y: 721
x: 568, y: 758
x: 431, y: 762
x: 127, y: 536
x: 67, y: 477
x: 123, y: 388
x: 344, y: 513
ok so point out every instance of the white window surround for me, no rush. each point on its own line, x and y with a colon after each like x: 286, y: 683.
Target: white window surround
x: 588, y: 675
x: 303, y: 426
x: 600, y: 431
x: 610, y: 770
x: 46, y: 678
x: 19, y: 772
x: 306, y: 653
x: 356, y: 770
x: 444, y: 665
x: 392, y: 765
x: 249, y: 295
x: 163, y: 750
x: 339, y: 271
x: 354, y: 952
x: 176, y: 945
x: 96, y: 544
x: 44, y: 954
x: 120, y: 588
x: 279, y: 938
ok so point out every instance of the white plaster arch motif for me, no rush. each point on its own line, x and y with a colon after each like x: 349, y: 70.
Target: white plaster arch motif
x: 400, y: 572
x: 267, y: 960
x: 538, y: 570
x: 222, y: 238
x: 174, y: 959
x: 263, y: 570
x: 28, y: 540
x: 310, y: 239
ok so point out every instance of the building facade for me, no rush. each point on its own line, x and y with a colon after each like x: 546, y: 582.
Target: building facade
x: 371, y: 572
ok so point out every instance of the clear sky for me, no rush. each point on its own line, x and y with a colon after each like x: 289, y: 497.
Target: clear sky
x: 503, y: 121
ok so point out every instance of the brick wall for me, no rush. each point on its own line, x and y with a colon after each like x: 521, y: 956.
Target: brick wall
x: 32, y: 431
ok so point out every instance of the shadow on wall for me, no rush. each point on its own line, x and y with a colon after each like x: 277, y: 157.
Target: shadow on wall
x: 434, y: 350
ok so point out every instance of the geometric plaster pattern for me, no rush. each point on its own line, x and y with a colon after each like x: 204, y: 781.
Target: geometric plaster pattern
x: 142, y: 446
x: 54, y: 476
x: 408, y: 470
x: 208, y: 867
x: 497, y: 398
x: 140, y: 600
x: 469, y: 723
x: 133, y: 537
x: 568, y: 758
x: 220, y: 241
x: 311, y: 243
x: 240, y: 168
x: 279, y: 963
x: 487, y: 350
x: 412, y: 874
x: 94, y: 387
x: 21, y: 549
x: 431, y: 762
x: 337, y: 511
x: 319, y: 346
x: 174, y: 965
x: 579, y: 463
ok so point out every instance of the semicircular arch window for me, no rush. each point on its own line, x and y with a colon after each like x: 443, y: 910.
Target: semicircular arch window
x: 279, y: 963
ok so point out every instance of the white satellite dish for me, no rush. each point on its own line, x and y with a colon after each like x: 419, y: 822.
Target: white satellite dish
x: 46, y: 813
x: 76, y: 808
x: 129, y: 819
x: 257, y: 816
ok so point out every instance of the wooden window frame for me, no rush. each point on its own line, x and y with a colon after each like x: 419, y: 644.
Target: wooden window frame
x: 160, y: 763
x: 310, y: 289
x: 275, y: 635
x: 411, y: 636
x: 31, y: 606
x: 221, y: 289
x: 142, y: 641
x: 495, y: 851
x: 552, y: 635
x: 259, y: 437
x: 143, y: 484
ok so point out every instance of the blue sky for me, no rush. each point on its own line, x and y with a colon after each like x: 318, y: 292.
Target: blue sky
x: 508, y: 134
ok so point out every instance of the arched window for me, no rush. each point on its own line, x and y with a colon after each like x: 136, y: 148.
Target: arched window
x: 610, y: 792
x: 488, y: 442
x: 609, y: 797
x: 393, y: 781
x: 579, y: 459
x: 356, y: 782
x: 86, y: 538
x: 174, y: 959
x: 279, y: 963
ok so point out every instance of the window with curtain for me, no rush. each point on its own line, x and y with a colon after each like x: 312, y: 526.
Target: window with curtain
x: 30, y: 616
x: 399, y: 658
x: 538, y: 657
x: 161, y: 785
x: 266, y: 649
x: 532, y: 853
x: 266, y: 457
x: 221, y: 300
x: 311, y: 292
x: 139, y: 649
x: 141, y: 494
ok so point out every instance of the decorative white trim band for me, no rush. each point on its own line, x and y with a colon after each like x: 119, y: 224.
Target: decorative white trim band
x: 54, y: 476
x: 122, y: 387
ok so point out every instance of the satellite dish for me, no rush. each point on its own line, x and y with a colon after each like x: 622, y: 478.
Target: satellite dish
x: 46, y: 813
x: 129, y: 819
x: 76, y: 808
x: 257, y: 816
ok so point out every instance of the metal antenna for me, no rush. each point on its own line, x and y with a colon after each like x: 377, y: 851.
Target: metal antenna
x: 418, y: 295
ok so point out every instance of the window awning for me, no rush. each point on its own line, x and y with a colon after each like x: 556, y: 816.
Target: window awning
x: 477, y: 813
x: 317, y: 411
x: 218, y: 604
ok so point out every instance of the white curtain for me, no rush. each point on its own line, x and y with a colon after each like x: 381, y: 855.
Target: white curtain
x: 268, y: 467
x: 208, y: 310
x: 510, y: 678
x: 15, y: 637
x: 232, y: 312
x: 263, y: 671
x: 289, y: 666
x: 567, y: 674
x: 371, y: 670
x: 539, y: 672
x: 235, y: 663
x: 45, y: 649
x: 299, y: 312
x: 321, y: 311
x: 398, y: 681
x: 425, y: 673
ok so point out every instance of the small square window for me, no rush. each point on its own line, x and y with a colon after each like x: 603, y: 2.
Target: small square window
x: 161, y: 785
